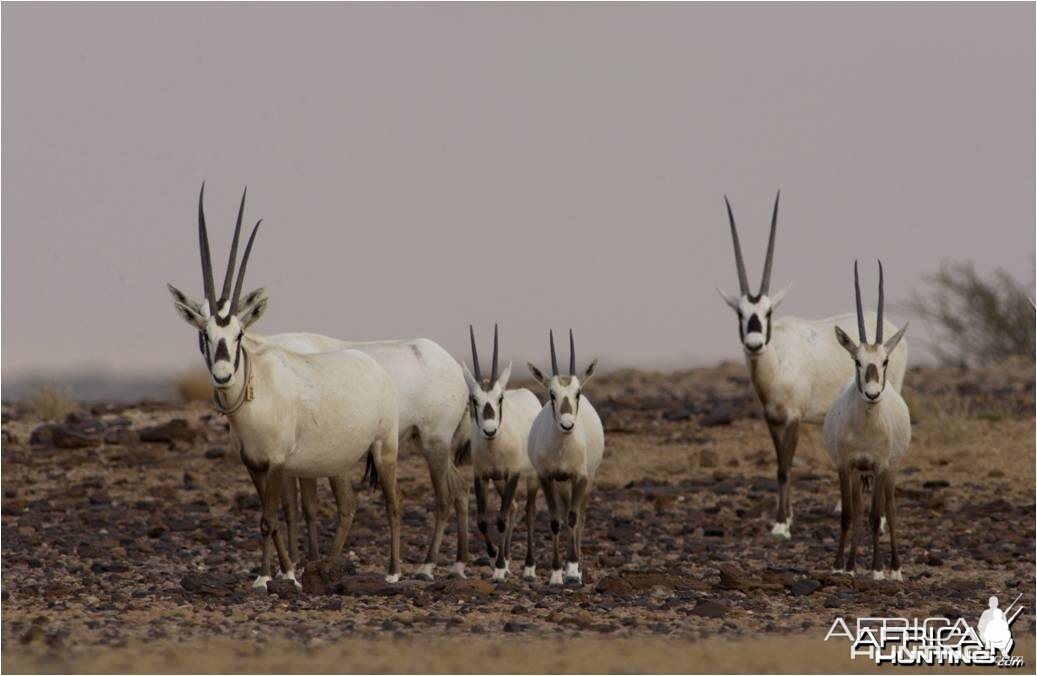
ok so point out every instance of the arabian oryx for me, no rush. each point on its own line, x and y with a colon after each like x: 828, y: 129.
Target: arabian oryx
x: 294, y: 415
x: 867, y: 431
x: 796, y: 366
x: 432, y: 400
x: 501, y: 419
x: 566, y: 443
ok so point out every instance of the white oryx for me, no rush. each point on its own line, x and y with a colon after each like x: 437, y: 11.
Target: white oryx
x: 796, y: 366
x: 501, y: 419
x: 867, y: 431
x: 293, y: 415
x: 432, y: 400
x: 566, y: 443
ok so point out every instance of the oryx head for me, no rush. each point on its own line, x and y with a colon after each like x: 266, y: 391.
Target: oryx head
x: 564, y: 391
x: 221, y: 322
x: 754, y: 311
x: 486, y: 395
x: 871, y: 360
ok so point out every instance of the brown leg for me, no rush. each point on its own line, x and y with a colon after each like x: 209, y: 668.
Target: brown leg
x: 551, y: 497
x: 290, y: 502
x: 308, y: 487
x: 345, y: 500
x: 385, y: 463
x: 889, y: 502
x: 577, y: 513
x: 459, y: 490
x: 505, y: 519
x: 786, y: 438
x: 875, y: 520
x: 532, y: 488
x: 855, y: 519
x: 480, y: 516
x: 845, y: 516
x: 438, y: 458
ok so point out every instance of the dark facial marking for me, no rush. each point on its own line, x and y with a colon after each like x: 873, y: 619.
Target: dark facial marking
x: 754, y: 325
x: 487, y: 412
x: 566, y: 407
x: 222, y: 353
x: 871, y: 374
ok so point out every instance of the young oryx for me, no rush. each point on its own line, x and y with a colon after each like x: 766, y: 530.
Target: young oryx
x: 566, y: 443
x: 796, y: 365
x: 866, y: 432
x: 293, y: 415
x: 432, y: 399
x: 499, y: 454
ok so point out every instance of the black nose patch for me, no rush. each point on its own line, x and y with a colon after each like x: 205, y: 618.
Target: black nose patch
x: 487, y: 412
x: 221, y: 350
x: 754, y: 325
x: 871, y: 374
x: 567, y: 407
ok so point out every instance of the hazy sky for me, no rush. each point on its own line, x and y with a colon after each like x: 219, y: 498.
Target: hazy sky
x: 422, y: 166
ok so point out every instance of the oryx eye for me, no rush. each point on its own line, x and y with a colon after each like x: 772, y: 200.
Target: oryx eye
x: 857, y: 362
x: 500, y: 402
x: 201, y: 342
x: 885, y: 363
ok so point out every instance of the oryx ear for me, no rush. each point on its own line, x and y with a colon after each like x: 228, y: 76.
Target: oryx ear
x: 251, y: 315
x: 846, y: 341
x: 181, y: 297
x: 469, y: 378
x: 190, y: 315
x: 892, y: 342
x: 251, y: 299
x: 780, y: 296
x: 589, y: 372
x: 728, y: 298
x: 537, y: 374
x: 505, y: 376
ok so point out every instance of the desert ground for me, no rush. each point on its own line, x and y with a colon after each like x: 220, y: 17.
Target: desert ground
x: 130, y: 540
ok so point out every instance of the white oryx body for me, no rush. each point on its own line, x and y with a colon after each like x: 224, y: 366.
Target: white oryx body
x: 298, y: 415
x: 432, y: 401
x: 796, y: 366
x: 566, y: 443
x: 501, y: 420
x: 866, y: 432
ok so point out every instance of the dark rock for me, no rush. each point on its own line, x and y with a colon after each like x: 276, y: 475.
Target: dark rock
x: 708, y: 458
x: 462, y: 588
x: 62, y: 436
x: 215, y: 453
x: 176, y: 429
x: 708, y: 608
x: 209, y: 584
x: 284, y: 588
x: 319, y: 577
x: 629, y: 583
x: 804, y: 587
x: 366, y: 585
x: 121, y: 436
x: 936, y: 484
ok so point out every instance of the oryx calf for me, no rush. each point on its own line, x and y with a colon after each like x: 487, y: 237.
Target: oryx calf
x: 796, y: 365
x: 294, y: 415
x: 866, y: 432
x: 501, y: 420
x: 566, y: 444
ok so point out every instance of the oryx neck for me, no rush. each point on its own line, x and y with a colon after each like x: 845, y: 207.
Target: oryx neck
x: 230, y: 400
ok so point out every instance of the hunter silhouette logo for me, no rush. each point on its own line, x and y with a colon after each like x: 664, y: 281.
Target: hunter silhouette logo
x: 934, y: 640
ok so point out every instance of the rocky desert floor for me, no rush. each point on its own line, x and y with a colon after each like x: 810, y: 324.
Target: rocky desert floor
x: 130, y: 540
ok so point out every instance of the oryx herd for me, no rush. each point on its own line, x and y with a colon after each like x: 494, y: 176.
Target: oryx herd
x: 304, y: 406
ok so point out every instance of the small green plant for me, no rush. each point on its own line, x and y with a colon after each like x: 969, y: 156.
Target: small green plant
x: 50, y: 402
x: 193, y: 386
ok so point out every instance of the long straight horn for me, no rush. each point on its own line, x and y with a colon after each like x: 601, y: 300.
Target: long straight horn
x: 203, y: 244
x: 743, y: 279
x: 493, y: 369
x: 765, y: 282
x: 882, y: 301
x: 241, y: 270
x: 475, y: 354
x: 860, y: 311
x: 554, y: 358
x: 225, y: 293
x: 572, y: 354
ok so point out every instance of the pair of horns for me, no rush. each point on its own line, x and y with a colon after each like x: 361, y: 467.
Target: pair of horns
x: 743, y: 278
x: 475, y: 355
x: 207, y: 277
x: 860, y: 310
x: 572, y: 354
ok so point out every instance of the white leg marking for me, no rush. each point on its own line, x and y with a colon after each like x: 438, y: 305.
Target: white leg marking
x: 500, y: 574
x: 260, y: 583
x: 838, y: 509
x: 425, y: 571
x: 572, y: 573
x: 529, y: 573
x: 392, y: 579
x: 781, y: 530
x: 878, y: 575
x: 896, y: 575
x: 556, y: 578
x: 290, y: 575
x: 882, y: 526
x: 457, y: 570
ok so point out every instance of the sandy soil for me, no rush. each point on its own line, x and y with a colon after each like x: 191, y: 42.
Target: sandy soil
x: 131, y: 548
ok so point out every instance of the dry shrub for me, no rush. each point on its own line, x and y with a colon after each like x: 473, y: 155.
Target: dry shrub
x: 976, y: 321
x: 50, y: 402
x: 193, y: 386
